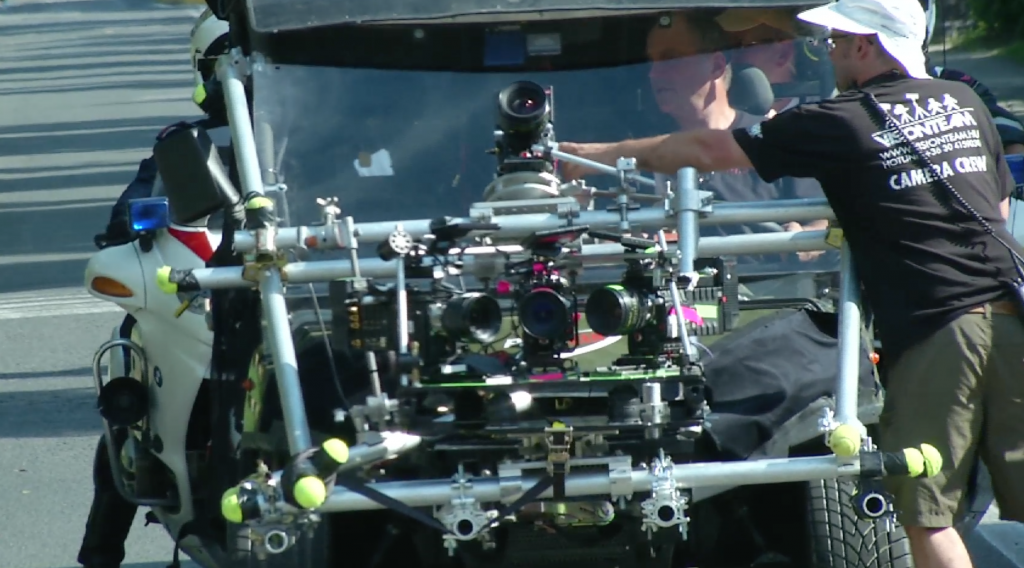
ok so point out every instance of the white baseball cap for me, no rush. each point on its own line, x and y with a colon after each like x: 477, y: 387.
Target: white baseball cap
x: 901, y: 26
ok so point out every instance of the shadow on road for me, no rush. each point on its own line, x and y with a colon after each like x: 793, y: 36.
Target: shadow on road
x: 113, y: 135
x: 49, y: 413
x: 93, y: 84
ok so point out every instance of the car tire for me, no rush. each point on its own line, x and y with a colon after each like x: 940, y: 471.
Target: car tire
x: 839, y: 539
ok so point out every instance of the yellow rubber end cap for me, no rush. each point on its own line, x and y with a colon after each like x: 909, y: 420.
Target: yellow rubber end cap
x: 259, y: 202
x: 230, y: 508
x: 915, y: 461
x: 163, y: 280
x: 844, y: 441
x: 932, y: 460
x: 310, y: 492
x: 337, y: 449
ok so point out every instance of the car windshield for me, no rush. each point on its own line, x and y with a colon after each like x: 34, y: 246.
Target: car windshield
x: 395, y: 144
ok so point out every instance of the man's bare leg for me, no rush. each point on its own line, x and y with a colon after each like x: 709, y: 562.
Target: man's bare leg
x: 938, y: 548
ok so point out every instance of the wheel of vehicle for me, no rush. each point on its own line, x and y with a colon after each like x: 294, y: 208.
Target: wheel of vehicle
x: 838, y: 539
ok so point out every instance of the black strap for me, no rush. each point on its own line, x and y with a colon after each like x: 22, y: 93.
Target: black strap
x: 358, y: 486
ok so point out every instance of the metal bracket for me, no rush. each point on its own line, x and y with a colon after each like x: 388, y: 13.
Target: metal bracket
x: 706, y: 200
x: 666, y: 507
x: 559, y: 443
x: 464, y: 518
x: 564, y: 207
x: 251, y: 270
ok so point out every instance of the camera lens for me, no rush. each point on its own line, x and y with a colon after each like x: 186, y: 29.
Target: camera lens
x: 473, y: 316
x: 614, y: 310
x: 545, y: 314
x: 523, y: 108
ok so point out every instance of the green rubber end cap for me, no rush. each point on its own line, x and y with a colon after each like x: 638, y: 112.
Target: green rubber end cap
x: 163, y: 280
x: 932, y: 460
x: 337, y: 449
x: 310, y: 492
x: 230, y: 508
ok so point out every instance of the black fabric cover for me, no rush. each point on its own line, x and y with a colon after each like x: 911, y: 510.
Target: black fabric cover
x: 768, y: 371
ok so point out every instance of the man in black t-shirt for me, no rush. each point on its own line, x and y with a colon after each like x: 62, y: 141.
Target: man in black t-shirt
x: 939, y: 284
x: 690, y: 76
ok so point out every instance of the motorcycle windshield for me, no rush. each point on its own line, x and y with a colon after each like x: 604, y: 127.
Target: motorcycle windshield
x: 396, y: 145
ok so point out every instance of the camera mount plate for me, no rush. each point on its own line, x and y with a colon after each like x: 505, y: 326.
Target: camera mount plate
x: 561, y: 206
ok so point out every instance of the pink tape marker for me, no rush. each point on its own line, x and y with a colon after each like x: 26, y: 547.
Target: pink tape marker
x: 547, y: 377
x: 689, y: 314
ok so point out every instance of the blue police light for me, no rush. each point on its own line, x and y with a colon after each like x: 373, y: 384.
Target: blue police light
x: 149, y: 214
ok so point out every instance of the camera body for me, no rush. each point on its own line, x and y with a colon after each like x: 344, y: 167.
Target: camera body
x: 443, y: 325
x: 546, y: 302
x: 640, y: 308
x: 525, y: 117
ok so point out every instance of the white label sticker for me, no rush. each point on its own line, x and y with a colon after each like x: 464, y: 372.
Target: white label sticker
x: 378, y: 164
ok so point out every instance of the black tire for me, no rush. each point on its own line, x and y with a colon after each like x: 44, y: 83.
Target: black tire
x: 838, y: 539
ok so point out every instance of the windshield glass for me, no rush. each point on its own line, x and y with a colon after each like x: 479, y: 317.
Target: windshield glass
x: 412, y: 144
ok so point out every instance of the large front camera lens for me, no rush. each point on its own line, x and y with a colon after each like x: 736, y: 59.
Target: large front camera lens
x: 545, y: 314
x: 615, y: 310
x: 473, y: 316
x: 523, y: 108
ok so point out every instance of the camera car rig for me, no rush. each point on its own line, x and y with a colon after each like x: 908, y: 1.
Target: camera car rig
x: 526, y: 437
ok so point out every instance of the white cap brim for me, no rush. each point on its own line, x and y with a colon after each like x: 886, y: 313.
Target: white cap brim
x: 828, y: 17
x: 910, y: 55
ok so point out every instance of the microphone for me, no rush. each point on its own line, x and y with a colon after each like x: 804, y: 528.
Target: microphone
x: 750, y: 91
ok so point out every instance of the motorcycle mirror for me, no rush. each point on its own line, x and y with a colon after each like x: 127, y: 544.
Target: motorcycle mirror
x: 195, y: 180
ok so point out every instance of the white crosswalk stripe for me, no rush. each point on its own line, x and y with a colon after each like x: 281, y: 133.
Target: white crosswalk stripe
x: 50, y: 303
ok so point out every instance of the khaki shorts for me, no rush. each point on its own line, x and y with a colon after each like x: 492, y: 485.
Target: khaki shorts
x: 962, y: 391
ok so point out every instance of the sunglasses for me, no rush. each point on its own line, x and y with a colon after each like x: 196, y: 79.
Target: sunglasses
x: 830, y: 42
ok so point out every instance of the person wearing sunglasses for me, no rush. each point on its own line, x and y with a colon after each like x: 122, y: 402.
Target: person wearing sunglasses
x: 916, y: 173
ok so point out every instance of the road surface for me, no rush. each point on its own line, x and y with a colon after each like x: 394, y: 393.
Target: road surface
x: 84, y: 86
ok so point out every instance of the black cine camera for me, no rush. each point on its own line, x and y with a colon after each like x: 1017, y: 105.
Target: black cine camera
x: 637, y: 309
x: 525, y: 115
x: 546, y: 304
x: 441, y: 324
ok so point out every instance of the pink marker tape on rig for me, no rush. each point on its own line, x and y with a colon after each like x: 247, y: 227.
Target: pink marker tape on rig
x: 547, y: 377
x: 689, y: 314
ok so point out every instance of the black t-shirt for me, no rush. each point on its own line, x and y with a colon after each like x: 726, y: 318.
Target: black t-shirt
x: 737, y: 186
x: 922, y: 259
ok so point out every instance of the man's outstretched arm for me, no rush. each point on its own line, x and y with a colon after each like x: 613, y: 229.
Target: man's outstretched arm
x: 705, y: 150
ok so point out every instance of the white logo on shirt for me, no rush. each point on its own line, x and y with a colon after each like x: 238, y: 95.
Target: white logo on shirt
x: 935, y: 128
x: 755, y: 130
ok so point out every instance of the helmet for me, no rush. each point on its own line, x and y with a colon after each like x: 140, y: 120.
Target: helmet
x: 210, y: 38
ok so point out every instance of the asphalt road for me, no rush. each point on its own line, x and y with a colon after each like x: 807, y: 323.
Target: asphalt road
x: 84, y: 86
